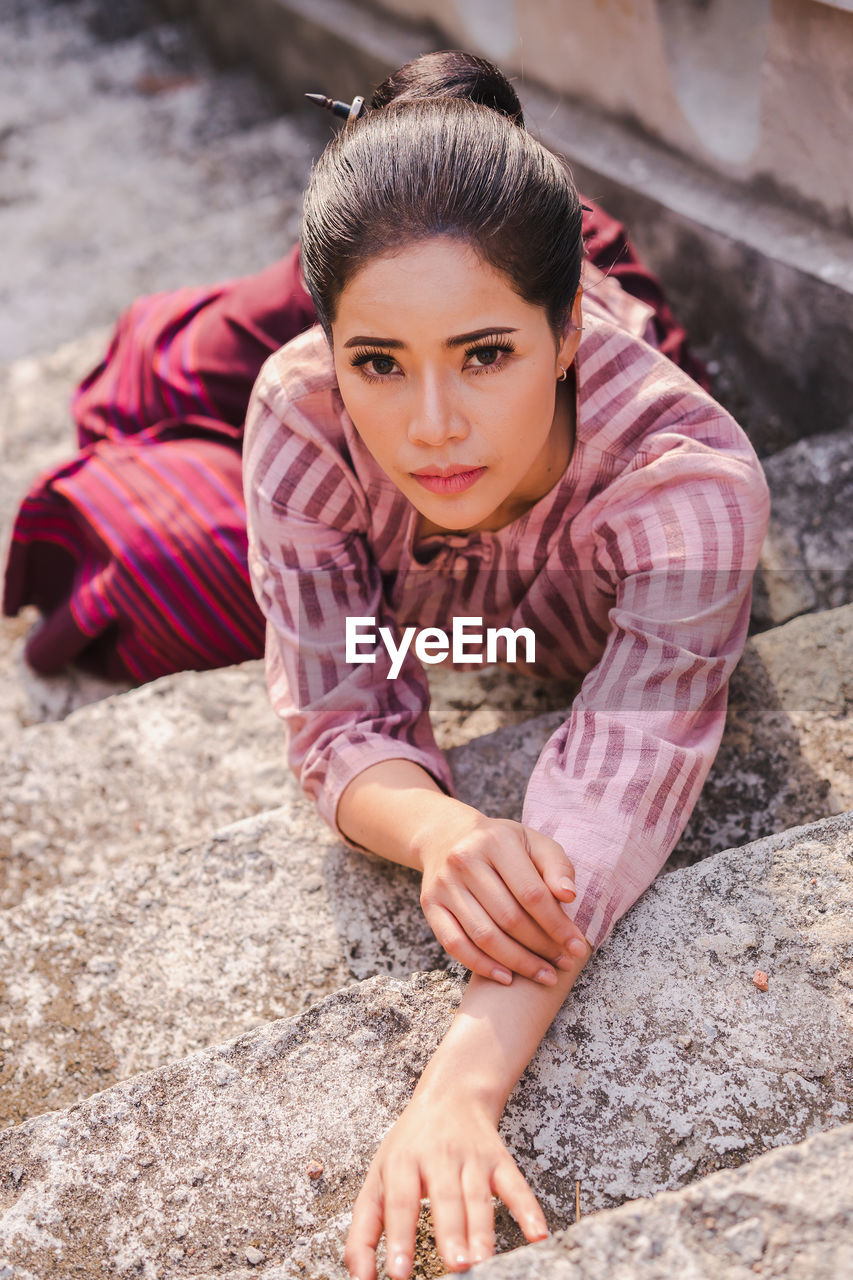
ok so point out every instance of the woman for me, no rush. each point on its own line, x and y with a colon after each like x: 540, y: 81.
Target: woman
x: 135, y: 550
x: 467, y: 435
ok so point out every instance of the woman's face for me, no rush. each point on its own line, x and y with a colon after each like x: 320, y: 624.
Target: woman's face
x: 450, y: 379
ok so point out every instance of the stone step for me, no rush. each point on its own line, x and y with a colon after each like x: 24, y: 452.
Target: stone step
x: 174, y: 760
x: 807, y: 557
x: 137, y: 162
x: 666, y: 1063
x: 786, y: 1213
x: 171, y: 762
x: 91, y: 835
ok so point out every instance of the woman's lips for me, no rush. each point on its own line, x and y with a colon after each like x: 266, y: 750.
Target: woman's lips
x: 451, y: 481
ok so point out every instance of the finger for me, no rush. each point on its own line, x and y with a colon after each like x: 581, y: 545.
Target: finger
x: 479, y: 1211
x: 457, y: 944
x: 523, y: 878
x: 365, y: 1229
x: 401, y: 1180
x: 497, y: 925
x: 551, y: 859
x: 448, y: 1212
x: 509, y: 1183
x: 491, y: 893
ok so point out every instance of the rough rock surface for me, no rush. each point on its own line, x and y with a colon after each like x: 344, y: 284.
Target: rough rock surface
x: 124, y: 149
x: 785, y: 1214
x: 114, y: 976
x: 666, y: 1063
x: 807, y: 558
x: 174, y: 760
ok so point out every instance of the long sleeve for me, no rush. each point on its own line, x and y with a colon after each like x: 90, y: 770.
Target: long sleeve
x: 674, y: 541
x: 311, y: 568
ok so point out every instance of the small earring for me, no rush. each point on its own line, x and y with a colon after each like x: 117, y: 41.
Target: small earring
x: 562, y: 375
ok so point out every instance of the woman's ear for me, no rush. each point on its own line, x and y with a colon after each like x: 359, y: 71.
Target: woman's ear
x: 572, y: 331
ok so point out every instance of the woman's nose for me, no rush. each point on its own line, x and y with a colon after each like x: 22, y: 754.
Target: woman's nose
x: 435, y: 413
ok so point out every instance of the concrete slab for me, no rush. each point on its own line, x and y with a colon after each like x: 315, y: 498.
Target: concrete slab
x: 131, y: 165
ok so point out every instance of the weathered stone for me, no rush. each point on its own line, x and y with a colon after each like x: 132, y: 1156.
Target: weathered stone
x: 610, y: 1098
x: 98, y: 1187
x: 174, y: 760
x: 206, y: 183
x: 787, y: 1213
x: 66, y: 813
x: 167, y: 955
x: 807, y: 557
x: 165, y: 764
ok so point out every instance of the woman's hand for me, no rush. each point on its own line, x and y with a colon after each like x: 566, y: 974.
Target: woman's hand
x: 492, y: 891
x: 448, y: 1149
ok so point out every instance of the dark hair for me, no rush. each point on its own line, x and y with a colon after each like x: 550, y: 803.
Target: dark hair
x: 417, y: 169
x: 451, y: 74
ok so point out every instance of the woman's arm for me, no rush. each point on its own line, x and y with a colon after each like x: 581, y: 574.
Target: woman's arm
x: 446, y: 1144
x: 674, y: 545
x: 491, y: 888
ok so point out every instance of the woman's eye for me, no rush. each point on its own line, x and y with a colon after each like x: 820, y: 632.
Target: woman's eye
x: 373, y: 364
x: 381, y: 365
x: 493, y: 356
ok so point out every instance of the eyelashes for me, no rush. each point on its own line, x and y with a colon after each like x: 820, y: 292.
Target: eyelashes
x: 363, y: 357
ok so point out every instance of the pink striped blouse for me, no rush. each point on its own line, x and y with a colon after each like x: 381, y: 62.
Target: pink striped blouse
x: 634, y: 573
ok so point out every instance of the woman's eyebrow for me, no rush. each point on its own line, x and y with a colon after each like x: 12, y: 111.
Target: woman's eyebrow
x: 458, y: 340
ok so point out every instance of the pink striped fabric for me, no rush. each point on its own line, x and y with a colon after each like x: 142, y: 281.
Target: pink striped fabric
x: 634, y: 572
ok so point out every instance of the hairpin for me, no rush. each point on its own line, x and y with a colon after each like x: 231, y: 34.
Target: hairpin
x: 348, y: 111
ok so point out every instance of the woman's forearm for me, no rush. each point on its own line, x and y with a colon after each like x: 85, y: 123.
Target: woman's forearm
x: 385, y: 807
x: 493, y: 891
x: 493, y: 1036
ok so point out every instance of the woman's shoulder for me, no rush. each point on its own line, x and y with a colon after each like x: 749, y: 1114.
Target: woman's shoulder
x: 650, y: 434
x: 296, y: 397
x: 296, y: 421
x: 302, y: 368
x: 633, y: 401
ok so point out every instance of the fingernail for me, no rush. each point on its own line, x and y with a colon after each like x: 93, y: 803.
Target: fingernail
x: 501, y: 975
x: 567, y: 886
x: 577, y: 947
x: 400, y: 1265
x: 565, y: 962
x: 546, y: 975
x: 461, y: 1260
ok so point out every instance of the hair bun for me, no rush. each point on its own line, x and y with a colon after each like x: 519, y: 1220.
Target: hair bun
x: 452, y: 73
